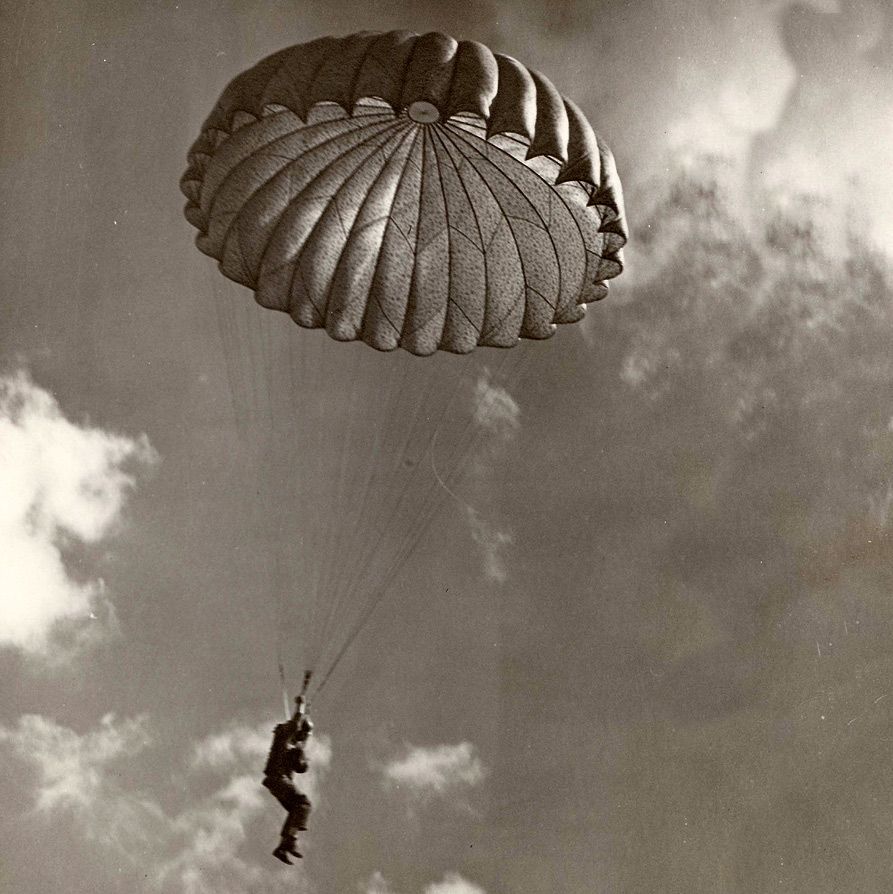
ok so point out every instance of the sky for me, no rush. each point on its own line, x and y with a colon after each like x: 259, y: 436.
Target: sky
x: 645, y: 642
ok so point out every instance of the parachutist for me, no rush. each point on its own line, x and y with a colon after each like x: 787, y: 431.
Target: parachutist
x: 288, y: 756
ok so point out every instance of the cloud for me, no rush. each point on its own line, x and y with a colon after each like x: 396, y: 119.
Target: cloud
x: 439, y: 771
x: 73, y: 773
x: 452, y: 883
x: 209, y: 835
x: 725, y: 123
x: 245, y: 746
x: 497, y: 414
x: 840, y: 56
x: 197, y: 850
x: 64, y: 487
x: 492, y: 543
x: 748, y: 455
x: 495, y: 410
x: 234, y: 745
x: 377, y: 884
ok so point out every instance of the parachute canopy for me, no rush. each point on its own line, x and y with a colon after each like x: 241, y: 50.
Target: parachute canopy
x: 407, y: 191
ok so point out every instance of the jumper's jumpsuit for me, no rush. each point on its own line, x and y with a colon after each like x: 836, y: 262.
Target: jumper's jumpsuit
x: 286, y: 757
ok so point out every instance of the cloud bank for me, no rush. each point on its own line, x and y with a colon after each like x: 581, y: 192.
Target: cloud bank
x: 749, y: 608
x: 64, y: 488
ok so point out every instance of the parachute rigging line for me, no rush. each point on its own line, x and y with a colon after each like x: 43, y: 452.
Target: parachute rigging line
x: 285, y: 703
x: 440, y: 480
x: 416, y: 532
x: 425, y: 517
x: 257, y: 385
x: 383, y: 519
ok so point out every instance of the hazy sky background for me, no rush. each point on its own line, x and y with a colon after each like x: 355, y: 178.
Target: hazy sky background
x: 658, y: 656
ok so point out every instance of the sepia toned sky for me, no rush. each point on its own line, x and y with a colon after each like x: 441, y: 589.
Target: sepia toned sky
x: 646, y: 646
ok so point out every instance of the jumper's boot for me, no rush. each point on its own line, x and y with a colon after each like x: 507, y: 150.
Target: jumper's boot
x: 288, y: 847
x: 281, y: 854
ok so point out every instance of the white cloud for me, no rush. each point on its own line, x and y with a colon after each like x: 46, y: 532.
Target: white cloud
x: 197, y: 850
x: 452, y: 883
x: 234, y: 745
x: 73, y: 772
x: 64, y: 486
x: 497, y: 414
x: 207, y: 840
x: 209, y: 835
x: 71, y: 765
x: 726, y: 124
x: 492, y: 543
x: 377, y: 884
x: 495, y: 409
x: 423, y: 773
